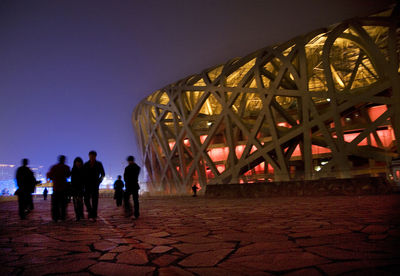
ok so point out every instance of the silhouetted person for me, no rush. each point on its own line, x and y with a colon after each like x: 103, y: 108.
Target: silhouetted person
x: 59, y: 174
x: 131, y: 177
x: 77, y: 187
x: 31, y: 191
x: 118, y: 190
x: 194, y: 189
x: 94, y: 174
x: 25, y: 181
x: 45, y: 192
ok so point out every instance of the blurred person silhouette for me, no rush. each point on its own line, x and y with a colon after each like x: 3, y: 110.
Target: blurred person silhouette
x: 194, y: 189
x: 118, y: 190
x: 45, y: 192
x: 59, y: 174
x: 25, y: 181
x: 94, y: 175
x: 29, y: 198
x: 77, y: 187
x: 131, y: 178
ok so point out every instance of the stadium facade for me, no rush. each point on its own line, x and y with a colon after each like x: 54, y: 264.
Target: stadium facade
x: 325, y: 104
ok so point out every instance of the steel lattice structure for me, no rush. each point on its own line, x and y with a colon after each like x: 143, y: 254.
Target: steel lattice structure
x: 324, y: 104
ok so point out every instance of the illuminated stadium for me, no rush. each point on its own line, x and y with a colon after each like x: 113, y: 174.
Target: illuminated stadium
x: 322, y: 105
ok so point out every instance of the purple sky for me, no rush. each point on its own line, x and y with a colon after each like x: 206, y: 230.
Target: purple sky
x: 71, y: 72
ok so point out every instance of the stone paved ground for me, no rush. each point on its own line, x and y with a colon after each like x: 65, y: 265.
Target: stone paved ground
x: 201, y: 236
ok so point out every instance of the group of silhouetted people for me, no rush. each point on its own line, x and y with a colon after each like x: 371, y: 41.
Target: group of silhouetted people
x: 84, y: 187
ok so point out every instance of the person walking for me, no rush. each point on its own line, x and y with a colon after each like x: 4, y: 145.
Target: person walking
x: 77, y: 185
x: 25, y: 181
x: 131, y: 178
x: 118, y: 190
x: 94, y: 175
x: 59, y: 174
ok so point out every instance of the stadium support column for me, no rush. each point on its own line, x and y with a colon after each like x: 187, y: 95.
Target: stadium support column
x: 394, y: 73
x: 305, y: 113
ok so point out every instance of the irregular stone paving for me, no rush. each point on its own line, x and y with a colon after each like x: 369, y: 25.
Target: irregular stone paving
x: 202, y: 236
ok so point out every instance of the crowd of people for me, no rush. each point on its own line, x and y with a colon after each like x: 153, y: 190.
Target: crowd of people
x: 83, y: 188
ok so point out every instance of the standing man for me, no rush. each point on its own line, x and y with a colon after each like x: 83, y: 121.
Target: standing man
x: 131, y: 178
x: 25, y: 181
x: 59, y: 174
x: 94, y: 174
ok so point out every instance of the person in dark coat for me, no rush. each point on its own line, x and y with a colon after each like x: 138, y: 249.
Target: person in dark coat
x: 131, y: 178
x: 77, y: 187
x: 94, y: 175
x: 118, y: 190
x: 25, y: 181
x: 29, y: 199
x: 194, y: 189
x: 45, y: 192
x: 59, y: 174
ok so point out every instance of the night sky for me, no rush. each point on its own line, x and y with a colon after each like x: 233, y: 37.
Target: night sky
x: 71, y: 72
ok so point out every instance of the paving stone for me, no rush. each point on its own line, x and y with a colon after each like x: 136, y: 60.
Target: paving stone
x: 59, y: 267
x: 242, y: 270
x: 371, y: 271
x: 343, y: 239
x: 83, y: 237
x: 280, y: 261
x: 247, y: 237
x: 178, y: 254
x: 155, y: 240
x: 108, y: 257
x: 189, y: 248
x: 209, y: 258
x: 29, y: 260
x: 104, y: 245
x: 103, y: 268
x: 195, y: 239
x: 76, y: 248
x: 33, y: 239
x: 319, y: 233
x: 135, y: 256
x: 264, y: 247
x: 122, y: 248
x: 80, y: 274
x: 142, y: 245
x: 118, y: 240
x: 347, y: 266
x: 377, y: 237
x: 338, y: 254
x: 48, y: 253
x: 375, y: 229
x: 173, y: 271
x: 165, y: 260
x: 80, y: 256
x: 213, y: 271
x: 161, y: 234
x: 306, y: 271
x: 160, y: 249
